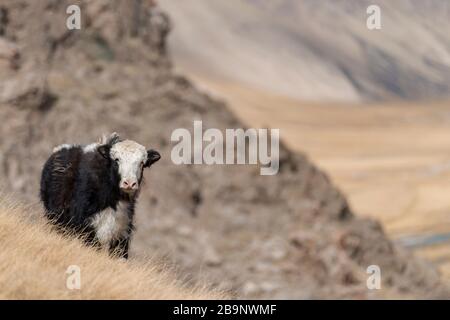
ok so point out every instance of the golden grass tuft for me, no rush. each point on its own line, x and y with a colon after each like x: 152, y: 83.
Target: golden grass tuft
x: 34, y: 260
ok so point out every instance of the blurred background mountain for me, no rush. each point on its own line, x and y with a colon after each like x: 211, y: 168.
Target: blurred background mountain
x: 318, y: 50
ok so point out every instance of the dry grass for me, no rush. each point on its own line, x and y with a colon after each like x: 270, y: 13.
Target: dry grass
x: 34, y: 260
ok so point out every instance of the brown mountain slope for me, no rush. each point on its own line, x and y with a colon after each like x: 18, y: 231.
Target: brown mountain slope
x: 286, y: 236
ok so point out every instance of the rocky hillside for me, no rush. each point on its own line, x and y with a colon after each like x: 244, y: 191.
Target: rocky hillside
x: 286, y: 236
x: 318, y: 50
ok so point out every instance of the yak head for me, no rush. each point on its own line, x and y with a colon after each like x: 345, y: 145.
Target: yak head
x: 128, y: 159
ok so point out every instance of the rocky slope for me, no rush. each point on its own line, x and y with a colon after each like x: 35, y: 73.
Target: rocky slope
x: 286, y: 236
x: 318, y: 50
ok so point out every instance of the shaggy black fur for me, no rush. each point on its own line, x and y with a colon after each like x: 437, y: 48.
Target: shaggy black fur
x: 77, y: 185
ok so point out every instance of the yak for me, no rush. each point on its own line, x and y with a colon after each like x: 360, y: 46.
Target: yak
x: 92, y: 190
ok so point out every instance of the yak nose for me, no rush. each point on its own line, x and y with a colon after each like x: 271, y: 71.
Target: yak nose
x: 128, y: 184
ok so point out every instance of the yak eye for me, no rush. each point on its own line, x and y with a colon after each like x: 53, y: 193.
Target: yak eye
x: 116, y: 160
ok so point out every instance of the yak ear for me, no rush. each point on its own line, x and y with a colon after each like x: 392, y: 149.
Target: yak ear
x: 152, y: 157
x: 104, y: 150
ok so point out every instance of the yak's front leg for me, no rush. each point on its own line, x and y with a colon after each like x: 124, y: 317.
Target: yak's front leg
x: 119, y: 248
x: 90, y: 239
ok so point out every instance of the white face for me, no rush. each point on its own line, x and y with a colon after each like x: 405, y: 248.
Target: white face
x: 130, y: 157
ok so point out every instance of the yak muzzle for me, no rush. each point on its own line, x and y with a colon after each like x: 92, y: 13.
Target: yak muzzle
x: 129, y: 185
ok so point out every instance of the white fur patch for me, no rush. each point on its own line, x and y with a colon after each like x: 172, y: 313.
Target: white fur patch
x: 90, y: 147
x: 62, y: 146
x: 111, y: 224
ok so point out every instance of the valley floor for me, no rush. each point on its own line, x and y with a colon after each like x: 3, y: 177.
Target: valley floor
x: 391, y: 160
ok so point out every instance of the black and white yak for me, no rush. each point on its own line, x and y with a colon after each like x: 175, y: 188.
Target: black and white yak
x: 92, y: 190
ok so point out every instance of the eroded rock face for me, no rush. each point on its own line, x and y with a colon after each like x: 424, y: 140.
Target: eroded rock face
x: 286, y: 236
